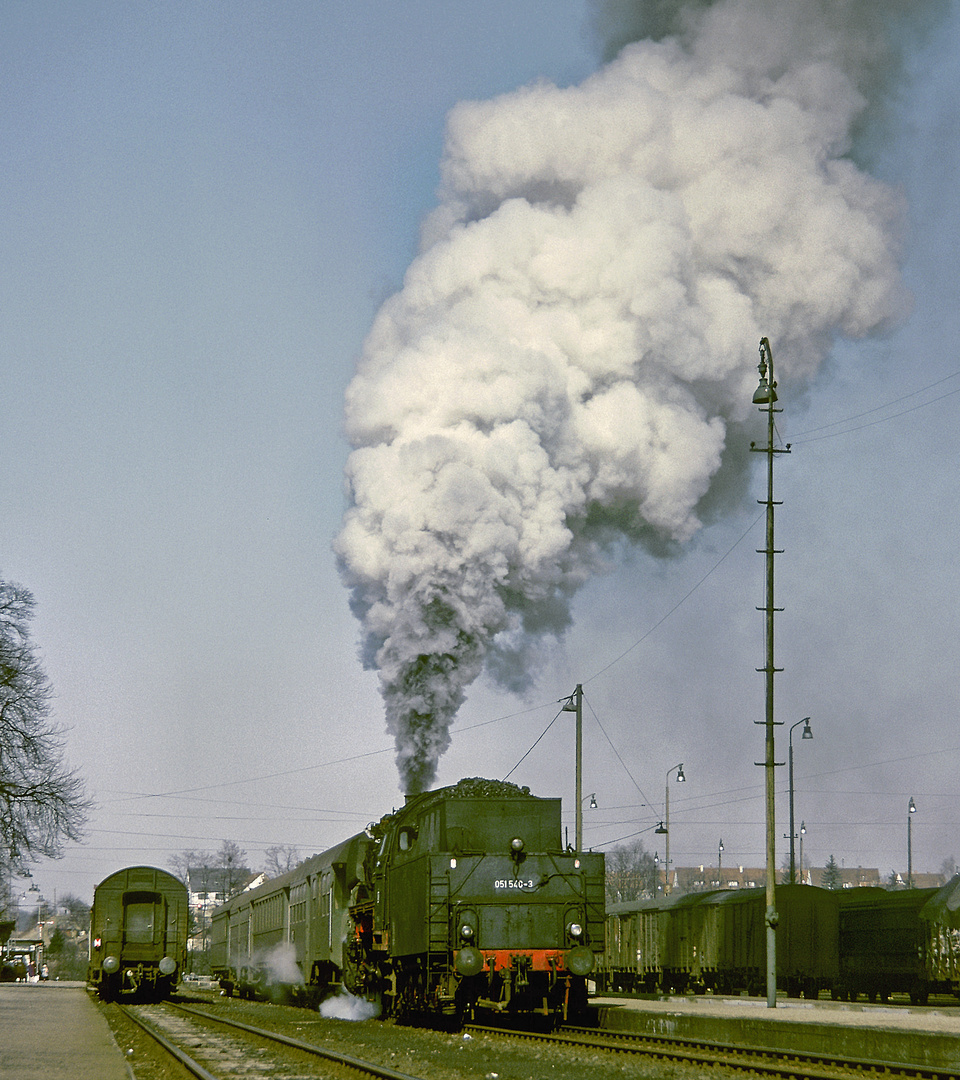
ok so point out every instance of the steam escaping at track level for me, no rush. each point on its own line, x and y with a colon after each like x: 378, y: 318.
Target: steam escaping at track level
x: 579, y: 330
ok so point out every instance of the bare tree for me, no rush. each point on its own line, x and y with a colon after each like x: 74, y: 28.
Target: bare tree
x: 73, y: 912
x: 632, y: 872
x: 230, y: 860
x: 42, y: 803
x: 184, y: 861
x: 280, y: 859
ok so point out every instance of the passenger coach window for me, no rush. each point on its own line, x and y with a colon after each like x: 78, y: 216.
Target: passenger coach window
x: 140, y: 922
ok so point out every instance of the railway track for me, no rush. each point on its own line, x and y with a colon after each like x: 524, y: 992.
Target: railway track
x: 224, y: 1048
x: 754, y: 1060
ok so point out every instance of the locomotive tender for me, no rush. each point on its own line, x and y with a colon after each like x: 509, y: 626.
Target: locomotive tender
x: 463, y: 900
x: 138, y: 934
x: 847, y: 942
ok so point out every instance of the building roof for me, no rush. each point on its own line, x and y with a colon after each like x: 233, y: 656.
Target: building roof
x: 685, y: 879
x: 211, y: 879
x: 850, y: 877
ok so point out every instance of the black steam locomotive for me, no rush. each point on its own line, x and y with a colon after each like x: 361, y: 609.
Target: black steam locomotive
x: 138, y: 934
x: 463, y: 900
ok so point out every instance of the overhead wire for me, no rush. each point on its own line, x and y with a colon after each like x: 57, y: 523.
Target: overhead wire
x: 798, y: 439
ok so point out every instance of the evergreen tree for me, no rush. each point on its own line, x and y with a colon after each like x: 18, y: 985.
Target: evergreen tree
x: 832, y: 878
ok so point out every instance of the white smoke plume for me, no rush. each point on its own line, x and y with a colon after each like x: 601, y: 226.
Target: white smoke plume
x: 345, y: 1006
x: 581, y: 326
x: 280, y: 965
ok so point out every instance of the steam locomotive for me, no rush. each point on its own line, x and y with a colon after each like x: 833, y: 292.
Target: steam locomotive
x: 851, y: 942
x: 464, y: 900
x: 138, y: 934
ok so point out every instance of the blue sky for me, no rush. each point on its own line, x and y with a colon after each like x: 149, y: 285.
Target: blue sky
x: 205, y: 206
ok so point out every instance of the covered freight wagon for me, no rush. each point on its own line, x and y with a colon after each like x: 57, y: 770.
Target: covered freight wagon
x: 885, y: 947
x: 941, y: 914
x: 807, y: 940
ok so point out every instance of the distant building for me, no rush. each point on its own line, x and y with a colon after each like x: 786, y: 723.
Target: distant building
x: 850, y: 877
x: 704, y: 878
x: 692, y: 879
x: 921, y: 881
x: 210, y: 886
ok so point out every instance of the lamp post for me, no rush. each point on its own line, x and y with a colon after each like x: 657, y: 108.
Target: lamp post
x: 766, y: 397
x: 575, y: 705
x: 803, y: 832
x: 665, y: 827
x: 911, y: 810
x: 720, y: 864
x: 805, y: 734
x: 36, y: 888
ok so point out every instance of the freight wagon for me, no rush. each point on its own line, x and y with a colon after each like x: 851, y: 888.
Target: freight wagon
x: 716, y: 941
x: 848, y: 942
x: 887, y: 946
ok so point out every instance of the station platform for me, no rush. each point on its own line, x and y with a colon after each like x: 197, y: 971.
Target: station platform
x: 927, y: 1036
x: 52, y: 1031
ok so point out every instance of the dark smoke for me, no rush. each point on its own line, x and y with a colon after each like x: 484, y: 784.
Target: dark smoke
x: 581, y: 326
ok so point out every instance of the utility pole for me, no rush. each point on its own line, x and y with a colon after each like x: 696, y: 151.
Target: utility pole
x: 766, y: 397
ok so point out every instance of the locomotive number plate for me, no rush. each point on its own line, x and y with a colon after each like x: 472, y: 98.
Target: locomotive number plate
x: 510, y: 883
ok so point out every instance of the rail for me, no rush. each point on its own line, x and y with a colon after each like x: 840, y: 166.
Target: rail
x: 366, y: 1068
x: 757, y: 1061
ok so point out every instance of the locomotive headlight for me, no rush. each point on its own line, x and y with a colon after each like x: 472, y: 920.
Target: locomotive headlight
x: 468, y: 961
x: 516, y: 844
x: 575, y: 930
x: 111, y: 964
x: 168, y: 965
x: 580, y: 960
x: 466, y: 932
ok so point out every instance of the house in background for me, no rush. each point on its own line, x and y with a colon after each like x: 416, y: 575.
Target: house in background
x: 207, y: 888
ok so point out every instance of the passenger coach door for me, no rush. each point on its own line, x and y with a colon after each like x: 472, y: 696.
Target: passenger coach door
x: 144, y: 920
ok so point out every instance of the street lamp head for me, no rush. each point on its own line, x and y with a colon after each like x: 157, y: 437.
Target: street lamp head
x: 721, y: 844
x: 912, y: 808
x: 806, y: 733
x: 680, y: 777
x: 803, y: 828
x: 660, y: 830
x: 593, y: 802
x: 766, y: 392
